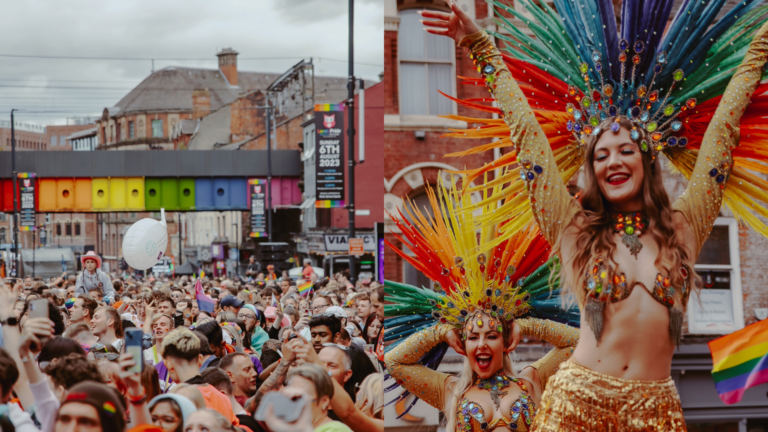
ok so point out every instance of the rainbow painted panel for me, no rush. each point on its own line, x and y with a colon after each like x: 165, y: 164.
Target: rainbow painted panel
x: 329, y: 107
x: 100, y: 194
x: 135, y: 193
x: 48, y: 192
x: 204, y: 194
x: 169, y: 194
x: 83, y: 197
x: 152, y: 197
x: 329, y: 204
x: 117, y: 194
x: 186, y: 194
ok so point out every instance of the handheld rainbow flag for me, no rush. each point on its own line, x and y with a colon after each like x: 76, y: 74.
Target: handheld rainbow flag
x: 740, y: 361
x: 305, y: 288
x: 274, y: 303
x: 204, y: 303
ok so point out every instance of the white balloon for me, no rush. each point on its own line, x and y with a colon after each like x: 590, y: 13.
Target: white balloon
x: 145, y: 242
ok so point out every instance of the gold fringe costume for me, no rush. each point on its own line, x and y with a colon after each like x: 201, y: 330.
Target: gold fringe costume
x: 579, y: 399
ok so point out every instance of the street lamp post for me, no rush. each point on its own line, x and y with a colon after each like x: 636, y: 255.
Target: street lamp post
x: 237, y: 246
x: 15, y: 198
x: 351, y: 138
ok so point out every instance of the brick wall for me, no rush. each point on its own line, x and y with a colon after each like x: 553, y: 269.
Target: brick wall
x: 24, y: 140
x: 62, y: 131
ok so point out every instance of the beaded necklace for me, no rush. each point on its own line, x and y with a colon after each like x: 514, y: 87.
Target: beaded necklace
x: 630, y: 226
x: 495, y: 385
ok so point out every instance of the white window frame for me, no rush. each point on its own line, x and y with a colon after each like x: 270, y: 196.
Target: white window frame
x: 401, y: 60
x: 734, y: 267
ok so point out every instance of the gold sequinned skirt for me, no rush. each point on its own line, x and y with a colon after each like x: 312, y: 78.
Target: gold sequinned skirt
x: 579, y: 399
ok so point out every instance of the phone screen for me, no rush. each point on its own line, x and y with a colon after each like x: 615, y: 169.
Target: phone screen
x: 133, y: 346
x: 38, y: 308
x: 284, y: 408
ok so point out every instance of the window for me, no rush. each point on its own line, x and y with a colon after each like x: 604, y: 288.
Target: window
x: 426, y: 66
x: 62, y: 140
x: 2, y: 235
x: 3, y: 217
x: 114, y: 246
x: 157, y: 128
x: 58, y: 229
x: 77, y: 229
x: 718, y: 309
x: 54, y: 139
x: 131, y: 130
x: 68, y: 228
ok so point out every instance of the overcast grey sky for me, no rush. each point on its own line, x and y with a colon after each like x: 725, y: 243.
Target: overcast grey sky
x: 277, y: 32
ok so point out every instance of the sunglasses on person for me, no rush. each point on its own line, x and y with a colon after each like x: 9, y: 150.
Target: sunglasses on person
x: 108, y: 355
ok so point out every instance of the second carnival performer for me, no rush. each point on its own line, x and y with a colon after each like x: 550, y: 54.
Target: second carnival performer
x: 627, y: 251
x: 484, y: 301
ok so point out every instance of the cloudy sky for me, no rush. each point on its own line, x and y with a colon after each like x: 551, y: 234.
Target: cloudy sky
x: 106, y: 45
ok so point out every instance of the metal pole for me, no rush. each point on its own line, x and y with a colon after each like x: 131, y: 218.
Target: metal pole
x: 351, y: 137
x: 34, y: 250
x: 15, y: 197
x: 178, y: 231
x: 269, y: 177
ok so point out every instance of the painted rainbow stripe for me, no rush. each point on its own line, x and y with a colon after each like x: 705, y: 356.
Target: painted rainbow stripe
x: 28, y: 228
x: 259, y: 235
x: 329, y: 107
x: 329, y: 204
x: 740, y: 361
x: 26, y: 175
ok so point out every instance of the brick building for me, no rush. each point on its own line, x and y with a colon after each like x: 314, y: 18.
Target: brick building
x: 28, y: 136
x: 57, y: 137
x: 732, y: 263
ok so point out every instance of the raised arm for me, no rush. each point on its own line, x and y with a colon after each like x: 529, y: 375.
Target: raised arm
x: 552, y: 205
x: 700, y: 203
x: 403, y: 364
x: 563, y: 337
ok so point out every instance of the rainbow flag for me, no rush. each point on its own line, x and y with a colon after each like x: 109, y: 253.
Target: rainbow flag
x: 204, y: 303
x: 740, y: 361
x: 305, y: 288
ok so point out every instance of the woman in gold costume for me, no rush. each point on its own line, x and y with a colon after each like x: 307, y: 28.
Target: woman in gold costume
x: 485, y: 299
x: 627, y: 251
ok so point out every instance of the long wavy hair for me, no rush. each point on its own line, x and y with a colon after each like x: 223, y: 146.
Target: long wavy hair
x: 595, y: 226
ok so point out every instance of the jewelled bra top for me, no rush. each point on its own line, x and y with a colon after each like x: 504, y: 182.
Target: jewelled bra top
x: 604, y: 287
x: 470, y: 416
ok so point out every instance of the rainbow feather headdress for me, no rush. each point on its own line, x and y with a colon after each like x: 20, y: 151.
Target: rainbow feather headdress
x: 470, y: 279
x: 575, y: 72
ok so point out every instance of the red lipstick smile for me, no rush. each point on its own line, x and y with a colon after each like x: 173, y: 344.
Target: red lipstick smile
x: 618, y: 178
x: 483, y: 361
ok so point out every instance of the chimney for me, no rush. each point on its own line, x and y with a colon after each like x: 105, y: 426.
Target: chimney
x: 201, y: 103
x: 228, y: 64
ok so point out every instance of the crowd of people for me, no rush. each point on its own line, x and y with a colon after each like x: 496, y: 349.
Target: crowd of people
x: 206, y: 364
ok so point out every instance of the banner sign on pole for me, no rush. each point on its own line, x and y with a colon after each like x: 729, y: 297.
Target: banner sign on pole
x: 356, y: 246
x: 27, y: 189
x: 329, y: 155
x: 258, y: 190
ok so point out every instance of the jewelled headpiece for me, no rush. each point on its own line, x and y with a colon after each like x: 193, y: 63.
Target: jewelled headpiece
x: 470, y: 281
x: 642, y: 105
